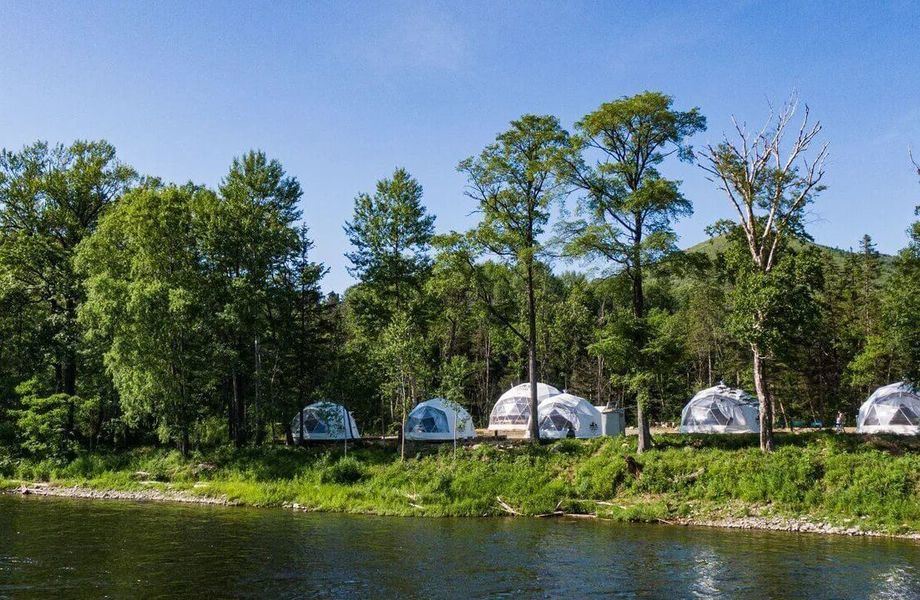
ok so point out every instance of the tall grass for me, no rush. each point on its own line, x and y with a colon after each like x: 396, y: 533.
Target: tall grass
x: 869, y: 483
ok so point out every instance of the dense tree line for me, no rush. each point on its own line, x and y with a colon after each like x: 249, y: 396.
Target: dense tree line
x: 135, y: 311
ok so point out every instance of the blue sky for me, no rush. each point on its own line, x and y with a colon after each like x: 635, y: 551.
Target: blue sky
x: 342, y: 92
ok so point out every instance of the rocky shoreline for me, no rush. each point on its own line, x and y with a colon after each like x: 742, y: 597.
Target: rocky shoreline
x: 790, y: 525
x: 757, y: 523
x: 149, y: 495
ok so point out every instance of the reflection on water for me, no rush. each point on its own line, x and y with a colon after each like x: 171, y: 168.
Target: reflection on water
x: 92, y: 548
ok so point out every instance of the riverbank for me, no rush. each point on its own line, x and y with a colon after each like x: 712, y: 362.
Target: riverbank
x: 814, y: 482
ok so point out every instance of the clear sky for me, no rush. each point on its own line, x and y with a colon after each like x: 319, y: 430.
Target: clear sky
x: 342, y: 92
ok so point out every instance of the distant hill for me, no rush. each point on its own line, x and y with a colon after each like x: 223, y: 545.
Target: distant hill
x: 713, y: 246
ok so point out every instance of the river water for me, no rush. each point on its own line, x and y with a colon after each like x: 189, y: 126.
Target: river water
x: 80, y: 548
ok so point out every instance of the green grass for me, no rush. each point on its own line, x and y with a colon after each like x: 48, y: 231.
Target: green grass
x: 871, y: 483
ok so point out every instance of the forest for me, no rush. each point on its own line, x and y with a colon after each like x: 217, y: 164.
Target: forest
x: 136, y: 311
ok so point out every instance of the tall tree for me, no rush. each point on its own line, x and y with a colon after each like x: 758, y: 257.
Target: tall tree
x: 391, y: 236
x: 769, y: 186
x: 390, y: 233
x: 515, y: 181
x: 400, y: 350
x: 628, y: 208
x: 148, y: 298
x: 249, y: 236
x: 300, y: 349
x: 51, y: 198
x: 894, y: 351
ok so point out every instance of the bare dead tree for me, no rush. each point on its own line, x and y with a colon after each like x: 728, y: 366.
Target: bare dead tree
x: 769, y: 182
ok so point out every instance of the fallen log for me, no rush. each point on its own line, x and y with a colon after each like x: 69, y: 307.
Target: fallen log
x: 507, y: 507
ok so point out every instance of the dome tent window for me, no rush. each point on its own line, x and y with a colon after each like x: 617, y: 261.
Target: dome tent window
x: 558, y: 421
x: 721, y: 409
x: 567, y: 415
x: 512, y: 410
x: 439, y: 419
x: 314, y: 425
x: 427, y: 420
x: 894, y: 408
x: 325, y: 421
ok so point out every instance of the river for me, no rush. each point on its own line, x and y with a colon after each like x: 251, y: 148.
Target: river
x: 89, y: 548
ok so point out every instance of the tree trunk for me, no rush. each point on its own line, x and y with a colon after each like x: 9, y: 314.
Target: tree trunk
x: 709, y: 366
x: 645, y: 434
x: 231, y: 410
x: 782, y: 409
x: 765, y: 399
x: 534, y: 424
x: 488, y: 361
x: 402, y: 426
x: 184, y: 442
x: 239, y: 415
x: 69, y: 369
x: 257, y: 398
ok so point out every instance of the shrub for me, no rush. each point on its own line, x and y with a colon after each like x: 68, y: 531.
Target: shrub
x: 345, y: 471
x: 210, y: 432
x: 45, y: 422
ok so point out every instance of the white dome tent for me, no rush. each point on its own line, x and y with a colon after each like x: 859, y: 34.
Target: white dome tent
x: 325, y: 421
x: 565, y: 415
x: 512, y: 410
x: 438, y: 419
x: 894, y: 408
x: 721, y: 409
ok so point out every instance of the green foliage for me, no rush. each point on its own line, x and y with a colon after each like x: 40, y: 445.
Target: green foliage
x: 624, y: 218
x: 400, y: 351
x: 391, y: 235
x: 866, y: 482
x: 454, y: 374
x: 249, y: 241
x: 51, y: 198
x: 345, y: 471
x: 180, y: 315
x: 777, y: 308
x: 894, y: 349
x: 148, y: 296
x: 515, y: 181
x: 45, y: 423
x: 627, y: 207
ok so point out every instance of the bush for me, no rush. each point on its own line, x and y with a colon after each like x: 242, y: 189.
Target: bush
x: 210, y: 432
x: 7, y: 464
x: 45, y: 422
x: 345, y: 471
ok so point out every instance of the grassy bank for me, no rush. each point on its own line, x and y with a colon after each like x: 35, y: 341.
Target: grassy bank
x: 846, y: 480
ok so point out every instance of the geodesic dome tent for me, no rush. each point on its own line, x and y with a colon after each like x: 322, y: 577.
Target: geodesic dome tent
x: 512, y: 411
x: 325, y: 421
x: 721, y: 409
x: 894, y: 408
x: 436, y: 419
x: 564, y: 413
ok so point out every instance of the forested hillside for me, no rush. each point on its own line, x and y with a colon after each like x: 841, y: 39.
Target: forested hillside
x: 135, y: 311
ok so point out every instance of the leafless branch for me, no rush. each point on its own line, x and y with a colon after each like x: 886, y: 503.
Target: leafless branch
x: 758, y: 163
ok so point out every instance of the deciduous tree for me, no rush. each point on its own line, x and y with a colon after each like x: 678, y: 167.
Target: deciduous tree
x: 769, y: 185
x: 515, y: 182
x: 148, y: 296
x: 626, y: 213
x: 51, y: 198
